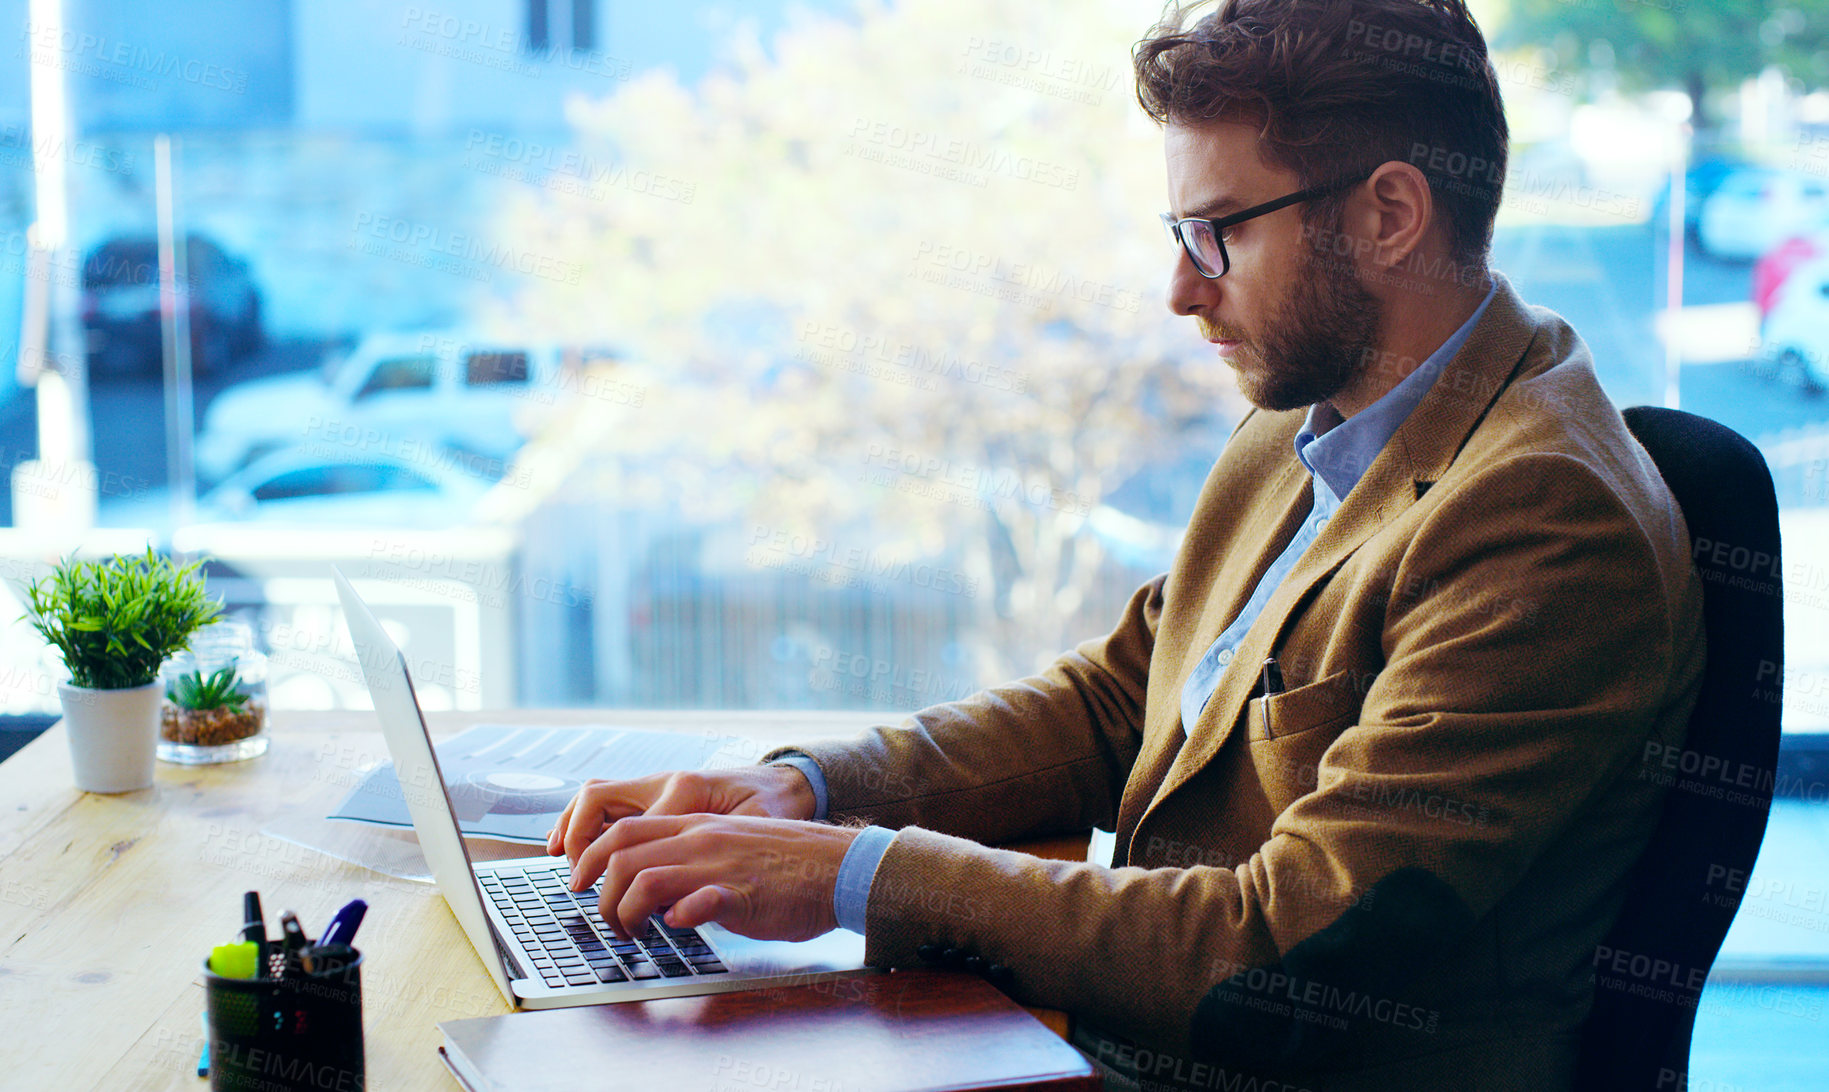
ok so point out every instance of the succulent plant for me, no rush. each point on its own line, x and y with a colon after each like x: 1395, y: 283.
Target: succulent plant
x: 220, y: 690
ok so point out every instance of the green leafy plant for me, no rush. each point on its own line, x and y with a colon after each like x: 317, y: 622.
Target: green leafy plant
x: 220, y: 690
x: 115, y: 621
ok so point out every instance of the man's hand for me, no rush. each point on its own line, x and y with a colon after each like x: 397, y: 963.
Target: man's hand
x: 781, y: 792
x: 766, y: 878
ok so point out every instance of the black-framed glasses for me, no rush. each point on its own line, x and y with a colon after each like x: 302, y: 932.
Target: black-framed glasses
x: 1205, y: 239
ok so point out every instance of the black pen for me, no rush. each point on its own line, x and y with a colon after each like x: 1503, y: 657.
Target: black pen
x: 294, y: 943
x: 1273, y: 684
x: 255, y: 930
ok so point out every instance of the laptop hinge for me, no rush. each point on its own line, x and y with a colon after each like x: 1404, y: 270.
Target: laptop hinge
x: 514, y: 966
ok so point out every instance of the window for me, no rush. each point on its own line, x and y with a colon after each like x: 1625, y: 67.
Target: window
x: 540, y: 29
x: 895, y: 409
x: 584, y: 30
x: 492, y: 368
x: 316, y: 481
x: 342, y: 479
x: 400, y: 374
x: 400, y: 479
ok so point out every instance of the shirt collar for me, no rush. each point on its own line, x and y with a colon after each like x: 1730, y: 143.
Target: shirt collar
x: 1338, y: 450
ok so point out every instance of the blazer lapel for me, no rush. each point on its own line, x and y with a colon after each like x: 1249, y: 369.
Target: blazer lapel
x: 1290, y: 495
x: 1415, y: 458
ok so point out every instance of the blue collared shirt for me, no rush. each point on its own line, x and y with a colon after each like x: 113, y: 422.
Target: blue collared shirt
x: 1336, y: 453
x: 851, y: 896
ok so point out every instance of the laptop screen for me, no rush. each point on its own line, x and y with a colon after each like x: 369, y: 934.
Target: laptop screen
x: 421, y: 783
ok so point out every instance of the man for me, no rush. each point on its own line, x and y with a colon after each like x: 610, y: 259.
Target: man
x: 1368, y: 745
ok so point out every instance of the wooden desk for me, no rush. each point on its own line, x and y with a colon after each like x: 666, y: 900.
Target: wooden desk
x: 109, y: 904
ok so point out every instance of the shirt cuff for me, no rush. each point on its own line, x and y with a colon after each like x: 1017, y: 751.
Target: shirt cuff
x: 851, y: 896
x: 814, y: 777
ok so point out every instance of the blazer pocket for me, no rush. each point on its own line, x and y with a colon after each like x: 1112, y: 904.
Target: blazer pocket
x: 1327, y: 702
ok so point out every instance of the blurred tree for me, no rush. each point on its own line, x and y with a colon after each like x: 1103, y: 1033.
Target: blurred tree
x: 1697, y: 45
x: 903, y: 278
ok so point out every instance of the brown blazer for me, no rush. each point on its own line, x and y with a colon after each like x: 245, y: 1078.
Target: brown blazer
x: 1401, y: 882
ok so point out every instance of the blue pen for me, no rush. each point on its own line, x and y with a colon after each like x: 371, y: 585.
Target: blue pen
x: 342, y: 928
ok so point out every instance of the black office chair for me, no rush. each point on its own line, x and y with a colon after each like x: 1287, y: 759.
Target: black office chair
x: 1677, y: 909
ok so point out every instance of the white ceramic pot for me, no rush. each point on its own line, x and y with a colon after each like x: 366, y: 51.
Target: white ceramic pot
x: 113, y: 735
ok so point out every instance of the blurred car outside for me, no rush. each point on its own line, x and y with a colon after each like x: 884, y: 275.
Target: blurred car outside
x: 1755, y: 210
x: 1771, y: 270
x: 310, y: 486
x: 1795, y: 336
x: 121, y: 314
x: 471, y: 394
x: 1700, y: 181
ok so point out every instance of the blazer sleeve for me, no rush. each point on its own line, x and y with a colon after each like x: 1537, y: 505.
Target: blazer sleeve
x: 1045, y: 754
x: 1522, y: 717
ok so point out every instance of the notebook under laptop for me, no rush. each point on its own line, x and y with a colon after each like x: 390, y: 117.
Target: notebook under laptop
x: 543, y: 946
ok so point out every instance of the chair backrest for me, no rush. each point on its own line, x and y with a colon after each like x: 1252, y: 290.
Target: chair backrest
x: 1683, y: 893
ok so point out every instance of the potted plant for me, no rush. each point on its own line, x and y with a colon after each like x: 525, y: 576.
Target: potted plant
x: 114, y: 622
x: 215, y: 698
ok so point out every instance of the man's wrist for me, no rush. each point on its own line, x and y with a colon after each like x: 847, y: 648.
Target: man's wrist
x: 851, y: 892
x: 809, y: 789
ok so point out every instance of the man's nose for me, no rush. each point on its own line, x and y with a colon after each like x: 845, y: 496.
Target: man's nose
x: 1189, y: 292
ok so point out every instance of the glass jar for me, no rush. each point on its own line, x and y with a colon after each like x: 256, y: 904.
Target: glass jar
x: 215, y: 707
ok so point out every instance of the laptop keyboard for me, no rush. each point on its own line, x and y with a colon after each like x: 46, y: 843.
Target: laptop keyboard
x: 570, y: 944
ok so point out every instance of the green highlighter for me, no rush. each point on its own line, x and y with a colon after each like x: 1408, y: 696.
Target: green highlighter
x: 235, y: 960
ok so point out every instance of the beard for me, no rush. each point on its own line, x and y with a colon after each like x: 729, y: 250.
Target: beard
x: 1314, y: 343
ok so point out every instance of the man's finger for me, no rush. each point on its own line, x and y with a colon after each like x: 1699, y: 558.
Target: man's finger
x: 652, y: 889
x: 555, y: 838
x: 713, y: 902
x: 624, y: 836
x: 600, y: 805
x: 560, y: 837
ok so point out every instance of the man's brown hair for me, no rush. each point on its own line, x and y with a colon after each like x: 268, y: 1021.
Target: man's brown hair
x: 1338, y: 87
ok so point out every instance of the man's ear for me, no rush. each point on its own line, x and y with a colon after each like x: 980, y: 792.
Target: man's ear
x: 1396, y: 211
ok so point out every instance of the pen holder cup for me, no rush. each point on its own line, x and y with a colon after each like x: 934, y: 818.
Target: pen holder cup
x: 303, y: 1032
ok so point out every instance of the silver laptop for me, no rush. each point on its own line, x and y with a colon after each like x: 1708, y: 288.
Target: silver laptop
x: 544, y: 946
